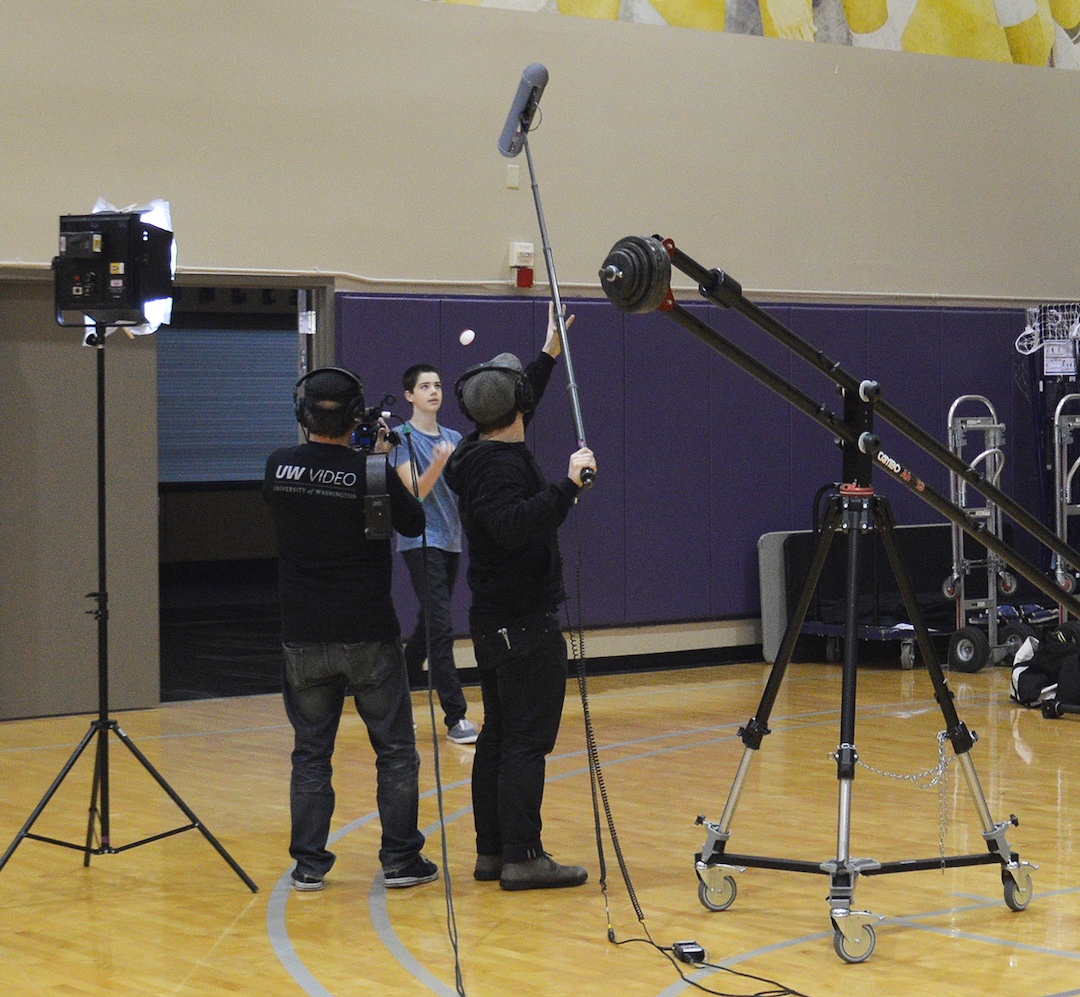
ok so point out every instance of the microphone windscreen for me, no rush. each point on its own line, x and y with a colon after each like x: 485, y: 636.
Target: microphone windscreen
x: 519, y: 120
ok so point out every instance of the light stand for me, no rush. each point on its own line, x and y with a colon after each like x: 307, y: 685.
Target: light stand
x: 636, y: 277
x: 114, y: 237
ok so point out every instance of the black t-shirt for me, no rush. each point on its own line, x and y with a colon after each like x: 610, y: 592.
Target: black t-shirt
x: 334, y: 582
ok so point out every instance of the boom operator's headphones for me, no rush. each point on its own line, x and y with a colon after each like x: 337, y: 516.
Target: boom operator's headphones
x: 524, y: 396
x: 352, y: 402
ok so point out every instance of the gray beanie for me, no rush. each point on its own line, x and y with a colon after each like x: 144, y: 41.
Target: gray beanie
x: 489, y: 395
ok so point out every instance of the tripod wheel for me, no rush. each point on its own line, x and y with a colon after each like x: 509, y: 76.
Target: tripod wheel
x: 718, y: 898
x: 856, y: 949
x: 1017, y: 895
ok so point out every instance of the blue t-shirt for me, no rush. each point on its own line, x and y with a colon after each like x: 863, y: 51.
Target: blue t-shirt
x: 440, y: 505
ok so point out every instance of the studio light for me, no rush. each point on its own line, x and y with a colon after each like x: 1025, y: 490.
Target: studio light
x: 115, y: 268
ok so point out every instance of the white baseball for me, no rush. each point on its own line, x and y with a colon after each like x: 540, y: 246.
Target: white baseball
x: 466, y: 337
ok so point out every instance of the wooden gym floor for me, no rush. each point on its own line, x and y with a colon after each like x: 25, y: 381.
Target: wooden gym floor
x: 172, y: 918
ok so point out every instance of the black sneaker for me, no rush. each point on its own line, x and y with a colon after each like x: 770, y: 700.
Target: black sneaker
x: 306, y: 884
x: 418, y: 871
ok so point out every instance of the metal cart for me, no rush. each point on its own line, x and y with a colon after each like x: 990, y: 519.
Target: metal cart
x: 970, y: 647
x: 1065, y: 426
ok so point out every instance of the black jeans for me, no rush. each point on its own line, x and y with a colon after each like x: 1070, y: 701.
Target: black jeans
x: 436, y: 588
x: 315, y: 681
x: 523, y: 682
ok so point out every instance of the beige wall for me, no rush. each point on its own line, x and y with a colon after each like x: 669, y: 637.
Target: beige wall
x: 359, y: 136
x: 48, y: 531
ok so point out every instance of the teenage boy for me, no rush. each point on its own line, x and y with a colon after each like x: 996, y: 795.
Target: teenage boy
x: 433, y: 560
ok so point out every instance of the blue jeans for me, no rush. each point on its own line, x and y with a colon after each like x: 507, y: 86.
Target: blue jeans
x: 316, y: 677
x: 436, y: 589
x: 523, y: 682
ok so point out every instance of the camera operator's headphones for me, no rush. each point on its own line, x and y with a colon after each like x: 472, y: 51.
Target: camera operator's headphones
x: 353, y: 408
x: 524, y: 396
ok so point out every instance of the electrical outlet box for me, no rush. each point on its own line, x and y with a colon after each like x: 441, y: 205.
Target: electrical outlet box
x: 522, y: 254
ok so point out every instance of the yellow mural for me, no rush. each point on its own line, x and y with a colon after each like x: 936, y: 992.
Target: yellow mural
x: 1031, y: 32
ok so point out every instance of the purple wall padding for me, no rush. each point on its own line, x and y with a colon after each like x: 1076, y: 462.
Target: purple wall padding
x: 696, y: 458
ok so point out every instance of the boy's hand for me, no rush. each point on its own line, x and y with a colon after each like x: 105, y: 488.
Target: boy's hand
x: 441, y: 452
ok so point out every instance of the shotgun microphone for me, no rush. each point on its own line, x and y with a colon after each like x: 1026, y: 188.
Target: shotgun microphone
x: 526, y: 100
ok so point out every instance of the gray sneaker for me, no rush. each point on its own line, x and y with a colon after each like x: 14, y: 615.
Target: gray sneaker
x: 541, y: 873
x: 463, y: 732
x: 488, y: 868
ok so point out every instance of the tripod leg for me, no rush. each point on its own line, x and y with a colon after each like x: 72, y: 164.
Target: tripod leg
x: 853, y: 931
x: 846, y: 754
x: 791, y: 634
x: 955, y: 729
x: 843, y: 879
x: 718, y: 833
x: 1015, y: 878
x: 171, y: 793
x: 49, y: 793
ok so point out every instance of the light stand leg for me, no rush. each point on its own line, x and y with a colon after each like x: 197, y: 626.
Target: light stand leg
x: 101, y: 764
x: 24, y: 831
x: 185, y: 809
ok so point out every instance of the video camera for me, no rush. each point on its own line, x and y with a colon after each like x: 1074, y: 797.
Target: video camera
x: 367, y: 432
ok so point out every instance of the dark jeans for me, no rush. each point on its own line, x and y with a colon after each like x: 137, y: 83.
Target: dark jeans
x: 442, y: 572
x: 523, y: 682
x: 316, y: 678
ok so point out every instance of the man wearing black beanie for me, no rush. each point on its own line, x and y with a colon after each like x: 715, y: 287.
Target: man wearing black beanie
x: 511, y: 514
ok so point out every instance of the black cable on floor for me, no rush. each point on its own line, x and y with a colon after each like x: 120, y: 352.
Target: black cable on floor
x: 596, y: 772
x: 778, y: 989
x: 599, y: 794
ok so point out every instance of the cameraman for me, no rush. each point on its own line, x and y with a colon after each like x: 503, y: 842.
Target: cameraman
x: 339, y: 629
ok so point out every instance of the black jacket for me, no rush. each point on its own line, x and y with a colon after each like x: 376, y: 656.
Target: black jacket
x: 510, y: 514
